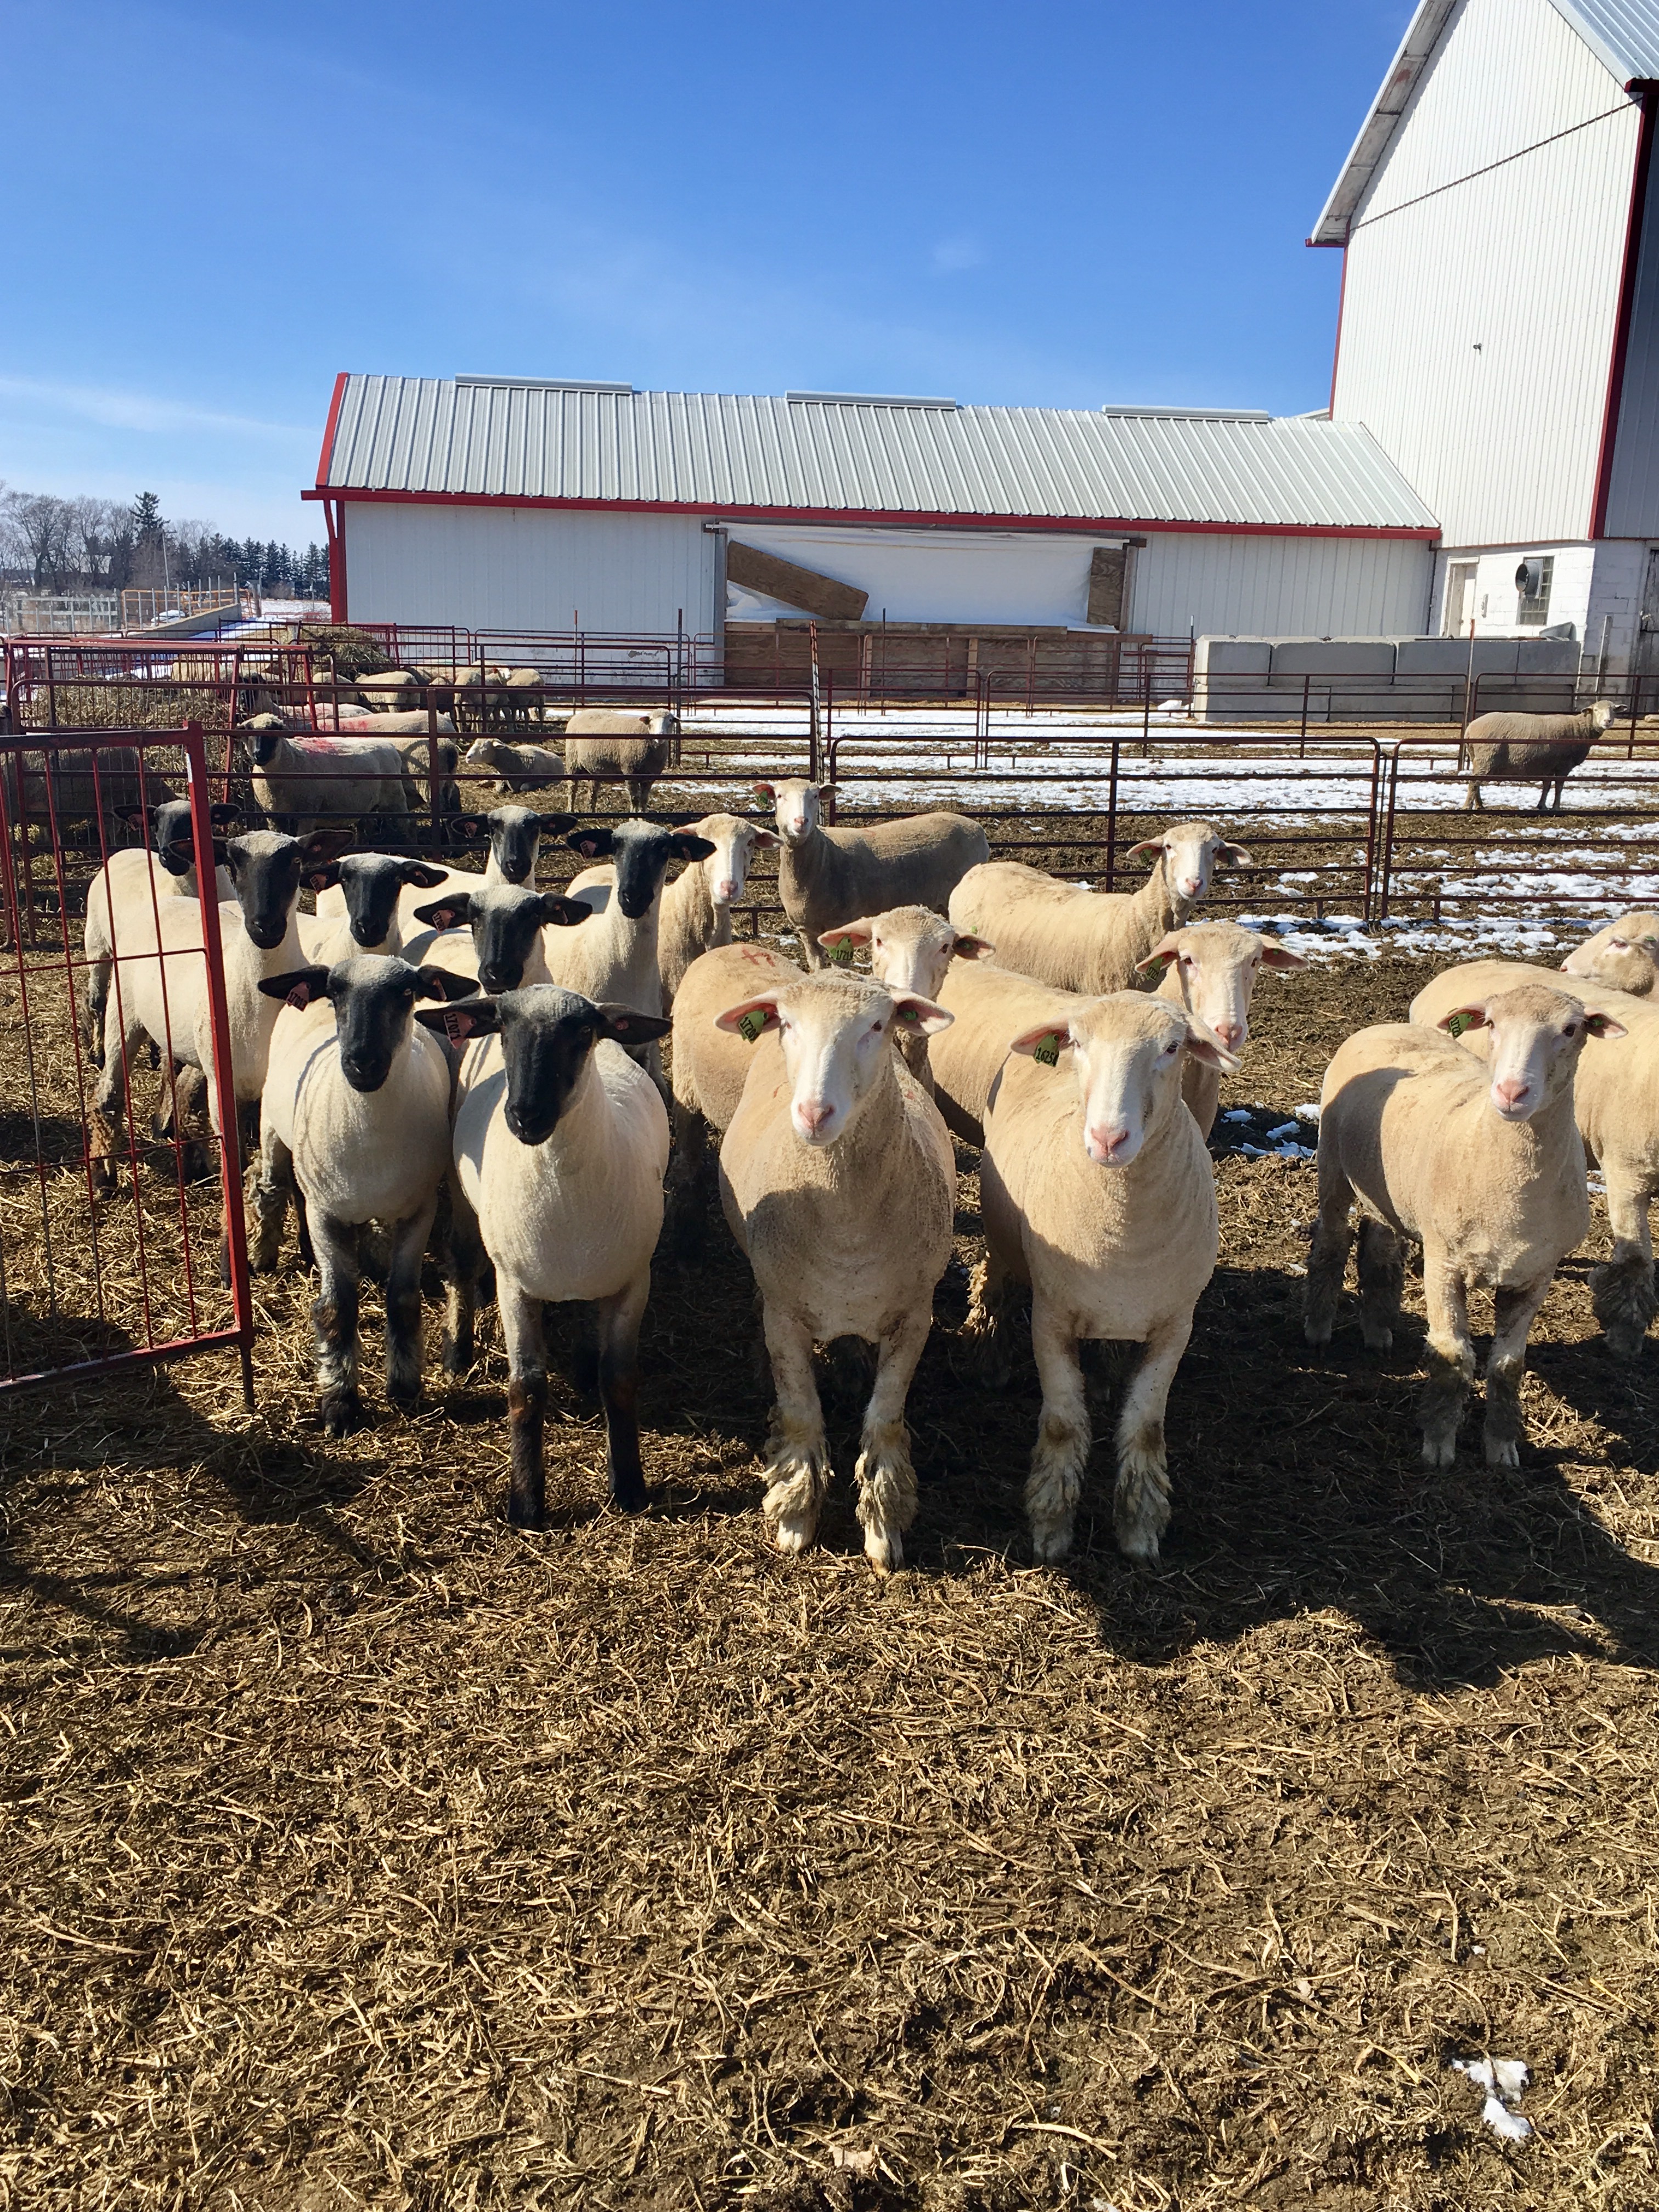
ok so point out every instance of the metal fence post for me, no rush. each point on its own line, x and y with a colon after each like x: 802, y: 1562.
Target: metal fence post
x: 1111, y: 815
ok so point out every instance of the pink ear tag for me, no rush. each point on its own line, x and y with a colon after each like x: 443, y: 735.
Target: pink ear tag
x: 751, y: 1024
x: 1047, y: 1049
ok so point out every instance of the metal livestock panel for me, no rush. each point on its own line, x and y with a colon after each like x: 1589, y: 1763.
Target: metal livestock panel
x: 1477, y: 330
x: 516, y: 567
x: 1325, y: 587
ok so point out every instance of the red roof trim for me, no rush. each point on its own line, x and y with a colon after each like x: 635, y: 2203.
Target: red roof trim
x: 329, y: 428
x: 1091, y: 525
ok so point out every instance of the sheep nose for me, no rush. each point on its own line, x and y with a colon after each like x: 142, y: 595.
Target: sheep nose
x: 1510, y: 1091
x: 1231, y: 1033
x: 813, y: 1117
x: 1106, y: 1139
x: 725, y: 890
x: 1190, y: 886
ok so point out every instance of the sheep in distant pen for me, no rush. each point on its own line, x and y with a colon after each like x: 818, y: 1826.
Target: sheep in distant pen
x: 1525, y: 748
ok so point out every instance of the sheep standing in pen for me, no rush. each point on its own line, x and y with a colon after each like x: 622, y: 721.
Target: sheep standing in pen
x: 602, y: 745
x: 356, y: 1113
x: 166, y: 869
x: 1541, y: 749
x: 369, y: 888
x: 515, y: 766
x: 311, y: 780
x: 839, y: 1182
x: 494, y: 933
x: 827, y: 876
x: 1211, y: 968
x: 911, y: 949
x: 1092, y: 941
x: 1624, y: 955
x: 696, y: 907
x: 1483, y: 1166
x: 560, y: 1144
x: 1616, y: 1105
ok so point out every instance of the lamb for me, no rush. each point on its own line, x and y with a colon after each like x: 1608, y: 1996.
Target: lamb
x: 494, y: 934
x: 1616, y: 1105
x: 696, y: 907
x: 355, y: 1111
x: 1096, y: 1190
x: 1092, y: 941
x: 1483, y: 1166
x: 1624, y: 955
x: 613, y: 956
x: 560, y: 1144
x: 1528, y: 748
x: 260, y: 935
x: 708, y: 1065
x: 166, y: 869
x: 827, y: 876
x: 601, y: 743
x: 370, y: 887
x: 839, y: 1182
x: 1210, y: 969
x: 515, y: 766
x: 911, y: 949
x: 311, y: 780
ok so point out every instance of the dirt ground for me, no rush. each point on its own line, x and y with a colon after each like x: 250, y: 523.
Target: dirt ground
x: 355, y: 1850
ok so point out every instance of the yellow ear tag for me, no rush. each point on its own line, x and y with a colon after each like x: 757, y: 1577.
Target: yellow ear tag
x: 1458, y: 1023
x: 751, y: 1024
x: 840, y: 953
x: 1047, y: 1049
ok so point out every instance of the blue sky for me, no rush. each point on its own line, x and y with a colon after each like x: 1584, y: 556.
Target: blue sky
x: 207, y: 216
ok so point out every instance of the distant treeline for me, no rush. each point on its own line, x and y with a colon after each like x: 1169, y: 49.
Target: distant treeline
x: 87, y: 544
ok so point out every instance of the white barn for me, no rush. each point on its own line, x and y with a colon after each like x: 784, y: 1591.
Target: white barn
x: 1500, y: 327
x: 503, y: 503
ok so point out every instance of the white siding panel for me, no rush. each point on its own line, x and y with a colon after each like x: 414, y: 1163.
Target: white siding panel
x: 525, y: 568
x: 1504, y: 75
x: 1279, y: 587
x: 1523, y: 263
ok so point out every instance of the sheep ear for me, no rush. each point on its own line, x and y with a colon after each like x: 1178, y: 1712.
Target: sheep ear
x: 749, y: 1019
x: 1203, y: 1043
x: 473, y: 1018
x: 1147, y: 845
x: 299, y: 987
x: 323, y: 844
x: 421, y: 875
x: 1280, y: 955
x: 135, y: 817
x: 592, y: 844
x: 1603, y: 1025
x: 446, y: 913
x: 684, y: 847
x: 322, y: 879
x: 627, y: 1025
x: 1234, y: 854
x: 921, y: 1017
x: 564, y: 913
x: 848, y: 932
x: 764, y: 791
x: 1045, y: 1044
x: 1169, y: 950
x: 768, y: 837
x: 1461, y: 1019
x: 439, y: 983
x: 555, y: 825
x: 466, y: 827
x: 972, y: 948
x: 224, y: 817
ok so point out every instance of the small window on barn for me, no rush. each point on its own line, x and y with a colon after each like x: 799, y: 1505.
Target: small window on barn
x: 1532, y: 580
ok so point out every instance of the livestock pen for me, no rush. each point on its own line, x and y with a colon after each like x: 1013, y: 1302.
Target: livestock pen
x: 357, y: 1848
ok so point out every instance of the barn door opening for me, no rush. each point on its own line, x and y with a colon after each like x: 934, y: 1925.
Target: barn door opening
x: 1647, y: 640
x: 1460, y: 598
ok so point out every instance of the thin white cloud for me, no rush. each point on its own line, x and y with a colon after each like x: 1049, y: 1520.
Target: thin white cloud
x: 139, y: 410
x: 951, y: 254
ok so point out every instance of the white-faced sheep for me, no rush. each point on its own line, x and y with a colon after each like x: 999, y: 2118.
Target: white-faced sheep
x: 839, y: 1182
x: 1092, y: 941
x: 827, y: 876
x: 1484, y: 1167
x: 514, y: 767
x: 602, y: 745
x: 1096, y: 1190
x: 1624, y: 955
x: 911, y: 949
x: 1211, y: 968
x: 708, y: 1065
x: 560, y: 1144
x: 1541, y: 749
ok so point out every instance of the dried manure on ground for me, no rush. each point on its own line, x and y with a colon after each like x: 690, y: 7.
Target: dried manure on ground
x: 358, y: 1850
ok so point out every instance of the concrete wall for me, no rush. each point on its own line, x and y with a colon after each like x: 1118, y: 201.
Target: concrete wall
x: 1377, y: 679
x: 1592, y: 582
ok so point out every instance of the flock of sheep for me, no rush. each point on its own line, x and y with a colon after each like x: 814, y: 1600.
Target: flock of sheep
x: 473, y: 1067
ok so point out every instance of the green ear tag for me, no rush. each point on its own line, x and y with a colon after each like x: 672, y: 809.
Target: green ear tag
x: 1458, y: 1023
x: 751, y: 1024
x: 840, y: 953
x: 1047, y: 1049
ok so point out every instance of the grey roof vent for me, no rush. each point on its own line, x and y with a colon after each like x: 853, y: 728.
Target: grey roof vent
x: 545, y: 383
x: 1195, y: 414
x: 865, y: 399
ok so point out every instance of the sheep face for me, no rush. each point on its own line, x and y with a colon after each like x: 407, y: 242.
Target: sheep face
x: 506, y: 921
x: 799, y: 807
x: 1537, y: 1036
x: 266, y: 870
x: 169, y: 826
x: 373, y: 997
x: 1190, y: 851
x: 641, y: 852
x: 834, y: 1031
x: 1624, y: 957
x: 547, y: 1035
x: 734, y: 841
x: 911, y: 947
x: 1127, y: 1052
x: 370, y: 882
x: 1216, y: 965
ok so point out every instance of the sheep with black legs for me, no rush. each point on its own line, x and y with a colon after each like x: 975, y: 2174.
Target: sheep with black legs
x: 370, y: 887
x: 560, y: 1144
x: 696, y: 907
x: 355, y: 1111
x: 165, y: 869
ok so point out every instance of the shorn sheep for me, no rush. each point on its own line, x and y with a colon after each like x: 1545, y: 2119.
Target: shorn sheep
x: 1211, y: 968
x: 839, y: 1182
x: 1096, y: 1190
x: 1541, y: 749
x: 911, y: 949
x: 514, y: 767
x: 1616, y: 1104
x: 1092, y: 941
x: 708, y: 1067
x: 368, y: 917
x: 356, y: 1110
x: 1624, y: 955
x: 310, y: 781
x: 1482, y: 1166
x: 166, y: 869
x: 493, y: 932
x: 560, y: 1144
x: 602, y: 745
x: 696, y: 907
x: 827, y: 876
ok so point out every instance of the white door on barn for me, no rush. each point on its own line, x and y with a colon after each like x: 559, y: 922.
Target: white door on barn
x: 1460, y: 598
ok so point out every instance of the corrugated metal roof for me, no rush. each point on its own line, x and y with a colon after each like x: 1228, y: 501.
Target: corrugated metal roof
x: 717, y: 451
x: 1622, y: 34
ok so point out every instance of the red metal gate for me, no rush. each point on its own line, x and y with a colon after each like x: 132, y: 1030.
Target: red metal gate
x: 93, y: 1281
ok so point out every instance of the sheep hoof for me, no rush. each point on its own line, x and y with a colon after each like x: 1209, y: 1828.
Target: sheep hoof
x: 794, y: 1532
x: 404, y: 1402
x: 343, y: 1413
x: 1051, y: 1540
x: 1439, y: 1451
x: 884, y: 1549
x: 1378, y: 1340
x: 1316, y: 1336
x: 1502, y: 1452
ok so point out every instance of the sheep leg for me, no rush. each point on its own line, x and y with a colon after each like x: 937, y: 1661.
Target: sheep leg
x: 1474, y: 804
x: 885, y: 1477
x: 461, y: 1262
x: 639, y: 792
x: 797, y: 1455
x: 403, y: 1307
x: 109, y: 1100
x: 273, y: 1184
x: 526, y: 1403
x: 1064, y: 1436
x: 334, y: 1321
x: 689, y: 1164
x: 97, y: 1000
x: 1450, y: 1359
x: 619, y: 1321
x: 1517, y: 1308
x: 1621, y: 1288
x: 985, y: 1290
x: 1140, y: 1502
x: 1381, y: 1260
x: 1328, y: 1255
